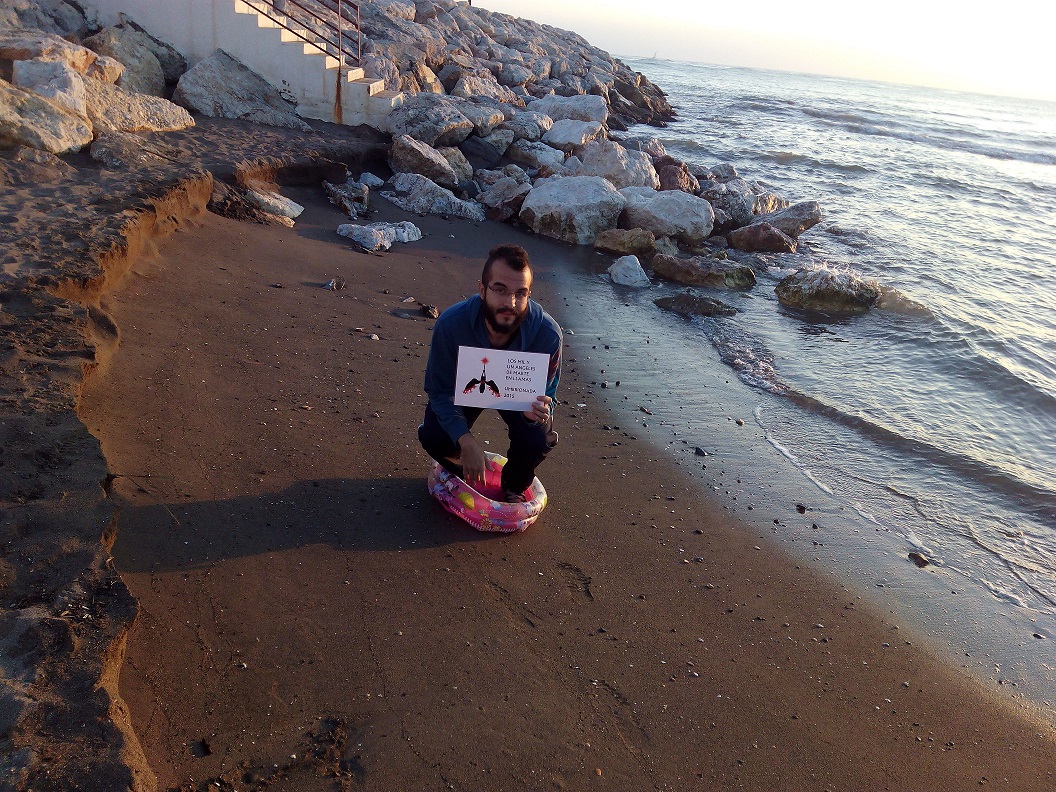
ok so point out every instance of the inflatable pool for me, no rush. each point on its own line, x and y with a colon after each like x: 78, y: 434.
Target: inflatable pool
x: 484, y: 508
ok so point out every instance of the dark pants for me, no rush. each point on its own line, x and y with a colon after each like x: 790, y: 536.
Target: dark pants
x: 528, y: 445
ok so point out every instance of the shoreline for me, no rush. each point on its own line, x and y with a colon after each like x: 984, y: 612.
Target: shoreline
x: 575, y: 599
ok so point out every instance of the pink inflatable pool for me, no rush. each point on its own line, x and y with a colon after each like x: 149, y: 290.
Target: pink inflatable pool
x: 484, y: 508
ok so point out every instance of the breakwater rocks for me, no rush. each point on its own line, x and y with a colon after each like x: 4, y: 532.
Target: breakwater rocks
x: 453, y: 48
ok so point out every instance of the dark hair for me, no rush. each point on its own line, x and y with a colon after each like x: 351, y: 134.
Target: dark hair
x: 515, y: 256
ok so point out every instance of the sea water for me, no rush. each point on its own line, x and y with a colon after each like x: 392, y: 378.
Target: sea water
x: 927, y: 426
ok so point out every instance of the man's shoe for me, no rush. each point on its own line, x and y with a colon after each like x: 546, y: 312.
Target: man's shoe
x: 513, y: 497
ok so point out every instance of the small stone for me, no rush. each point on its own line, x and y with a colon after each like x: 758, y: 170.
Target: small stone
x: 431, y: 311
x: 700, y: 451
x: 919, y: 559
x: 374, y: 337
x: 739, y: 422
x: 801, y: 508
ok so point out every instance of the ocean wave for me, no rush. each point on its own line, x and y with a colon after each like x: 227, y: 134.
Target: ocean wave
x: 793, y: 158
x: 991, y: 151
x: 1033, y: 499
x: 749, y: 357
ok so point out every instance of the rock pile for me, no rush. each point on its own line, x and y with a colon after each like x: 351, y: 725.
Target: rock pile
x: 451, y: 48
x: 62, y: 94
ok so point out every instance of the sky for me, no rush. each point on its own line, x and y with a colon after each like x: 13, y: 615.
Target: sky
x: 1006, y: 48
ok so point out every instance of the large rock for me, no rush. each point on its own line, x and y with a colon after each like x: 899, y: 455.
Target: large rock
x: 380, y: 236
x: 579, y: 108
x: 486, y: 151
x: 31, y: 120
x: 535, y: 155
x: 408, y: 155
x: 703, y: 271
x: 221, y: 87
x: 504, y: 199
x: 413, y: 192
x: 529, y: 125
x: 575, y: 208
x: 828, y: 291
x: 53, y: 80
x: 688, y: 304
x: 626, y: 242
x: 111, y: 108
x: 262, y: 197
x: 18, y: 45
x: 761, y: 238
x: 485, y: 117
x: 430, y: 119
x: 487, y: 86
x: 627, y: 271
x: 794, y: 220
x: 622, y: 167
x: 568, y: 134
x: 458, y: 162
x: 143, y: 73
x: 672, y: 214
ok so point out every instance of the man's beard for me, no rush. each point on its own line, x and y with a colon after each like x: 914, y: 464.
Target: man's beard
x: 505, y: 320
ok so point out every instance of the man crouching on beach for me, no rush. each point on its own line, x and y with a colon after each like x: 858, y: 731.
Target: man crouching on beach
x: 500, y: 316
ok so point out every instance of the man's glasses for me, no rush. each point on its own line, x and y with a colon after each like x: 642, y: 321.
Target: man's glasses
x: 501, y: 291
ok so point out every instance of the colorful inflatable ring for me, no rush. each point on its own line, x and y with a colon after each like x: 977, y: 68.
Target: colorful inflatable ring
x: 484, y: 509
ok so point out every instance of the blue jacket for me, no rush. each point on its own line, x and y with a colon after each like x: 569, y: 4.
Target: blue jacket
x: 463, y: 325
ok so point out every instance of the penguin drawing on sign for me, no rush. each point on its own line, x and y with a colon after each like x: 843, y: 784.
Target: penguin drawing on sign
x: 483, y: 382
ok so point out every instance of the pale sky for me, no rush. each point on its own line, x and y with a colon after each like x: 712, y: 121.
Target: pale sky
x: 1006, y: 48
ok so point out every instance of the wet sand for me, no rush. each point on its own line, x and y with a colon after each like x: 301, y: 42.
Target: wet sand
x: 310, y: 619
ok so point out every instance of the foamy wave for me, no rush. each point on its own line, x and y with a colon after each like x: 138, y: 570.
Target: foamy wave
x: 750, y: 358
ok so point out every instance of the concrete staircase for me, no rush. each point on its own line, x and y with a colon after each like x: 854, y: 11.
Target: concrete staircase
x: 308, y: 74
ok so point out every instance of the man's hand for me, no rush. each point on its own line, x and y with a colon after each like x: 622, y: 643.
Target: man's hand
x: 474, y: 462
x: 540, y: 412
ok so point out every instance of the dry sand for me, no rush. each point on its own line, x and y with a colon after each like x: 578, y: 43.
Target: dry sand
x: 309, y: 619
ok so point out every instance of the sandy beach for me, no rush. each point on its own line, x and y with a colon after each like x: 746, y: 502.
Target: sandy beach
x: 308, y: 618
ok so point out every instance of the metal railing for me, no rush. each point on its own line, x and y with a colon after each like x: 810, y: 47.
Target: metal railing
x: 332, y: 41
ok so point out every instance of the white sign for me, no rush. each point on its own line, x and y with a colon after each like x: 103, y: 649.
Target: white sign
x: 499, y: 378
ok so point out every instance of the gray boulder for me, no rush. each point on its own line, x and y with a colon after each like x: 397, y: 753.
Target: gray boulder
x: 627, y: 271
x: 31, y: 120
x: 408, y: 155
x: 430, y: 119
x: 487, y: 151
x: 668, y: 214
x: 112, y: 108
x: 53, y: 80
x: 828, y: 291
x: 413, y: 192
x: 623, y: 167
x: 485, y: 116
x: 33, y: 45
x: 380, y: 236
x: 472, y: 85
x: 535, y: 155
x: 574, y: 209
x: 221, y: 87
x: 568, y: 134
x: 504, y: 199
x: 143, y: 73
x: 580, y: 108
x: 528, y: 125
